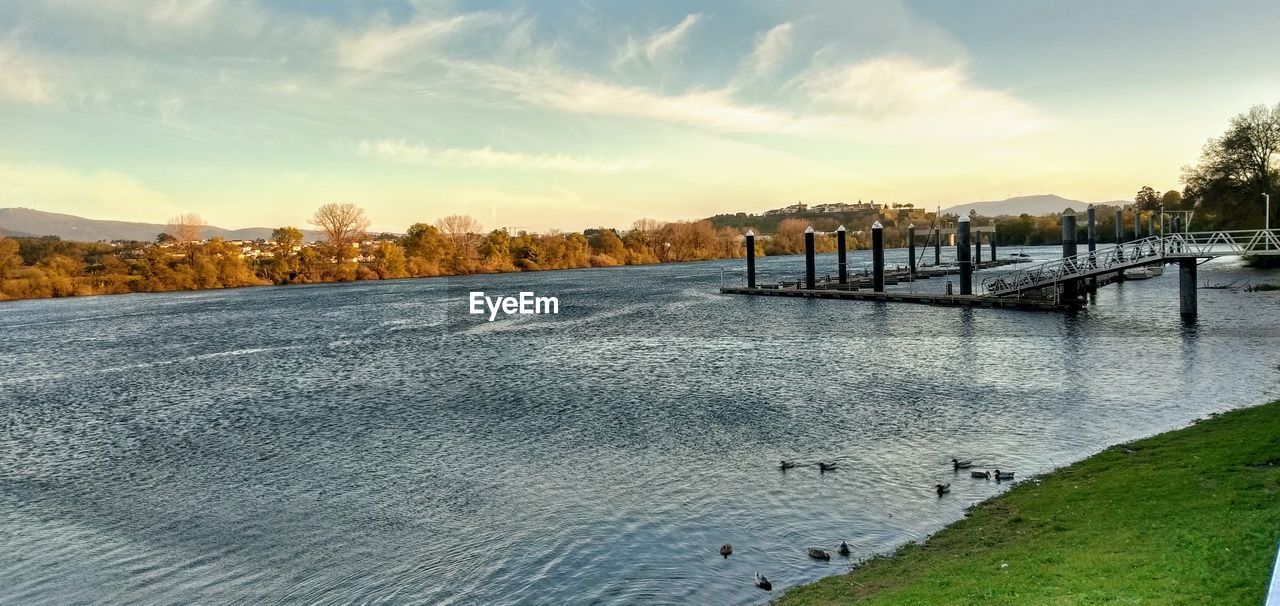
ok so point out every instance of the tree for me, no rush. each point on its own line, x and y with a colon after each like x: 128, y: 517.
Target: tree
x: 1147, y: 198
x: 185, y: 228
x: 389, y: 261
x: 165, y: 238
x: 462, y: 232
x: 1235, y: 170
x: 9, y: 257
x: 1172, y: 200
x: 343, y: 225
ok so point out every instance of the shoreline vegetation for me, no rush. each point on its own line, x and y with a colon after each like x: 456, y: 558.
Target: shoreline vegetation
x: 1189, y: 516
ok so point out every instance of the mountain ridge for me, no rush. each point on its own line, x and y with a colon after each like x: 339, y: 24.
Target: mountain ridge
x: 28, y: 222
x: 1032, y: 205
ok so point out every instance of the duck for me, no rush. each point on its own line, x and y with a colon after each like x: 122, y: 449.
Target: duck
x: 844, y: 549
x: 1004, y: 475
x: 785, y: 465
x: 826, y: 466
x: 763, y: 582
x: 726, y: 549
x: 985, y: 475
x: 818, y: 554
x: 942, y: 488
x: 958, y: 464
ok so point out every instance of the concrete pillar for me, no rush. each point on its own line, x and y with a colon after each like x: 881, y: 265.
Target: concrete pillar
x: 937, y: 247
x: 1070, y: 288
x: 1091, y: 233
x: 963, y: 249
x: 993, y: 241
x: 751, y: 259
x: 1151, y: 224
x: 911, y: 249
x: 842, y: 259
x: 877, y: 256
x: 1187, y: 288
x: 1119, y: 226
x: 1137, y: 224
x: 977, y: 249
x: 810, y: 273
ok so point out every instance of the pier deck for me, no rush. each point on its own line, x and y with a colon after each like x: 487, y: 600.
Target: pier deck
x: 900, y: 297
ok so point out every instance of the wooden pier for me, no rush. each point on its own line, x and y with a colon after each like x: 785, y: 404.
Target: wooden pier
x: 901, y: 297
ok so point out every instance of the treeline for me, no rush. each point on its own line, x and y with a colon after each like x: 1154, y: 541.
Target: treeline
x: 455, y: 245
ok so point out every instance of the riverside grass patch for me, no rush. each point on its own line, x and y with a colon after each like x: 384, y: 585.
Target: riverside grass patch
x: 1191, y: 516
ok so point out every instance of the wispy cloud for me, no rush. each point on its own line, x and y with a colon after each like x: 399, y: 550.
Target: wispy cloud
x: 659, y: 45
x: 21, y: 78
x: 487, y: 158
x: 379, y: 47
x: 772, y: 48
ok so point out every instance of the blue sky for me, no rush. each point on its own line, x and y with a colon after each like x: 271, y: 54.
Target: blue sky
x: 541, y: 115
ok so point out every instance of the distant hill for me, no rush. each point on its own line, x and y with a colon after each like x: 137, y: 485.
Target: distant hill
x: 27, y: 222
x: 1031, y: 205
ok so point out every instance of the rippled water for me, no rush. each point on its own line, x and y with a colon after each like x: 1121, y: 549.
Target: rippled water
x: 372, y: 442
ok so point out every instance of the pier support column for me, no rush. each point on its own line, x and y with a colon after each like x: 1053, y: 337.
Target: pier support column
x: 1119, y: 226
x: 1137, y: 223
x: 877, y: 256
x: 1151, y: 224
x: 937, y: 247
x: 963, y: 249
x: 911, y: 249
x: 977, y: 249
x: 1091, y: 233
x: 1070, y: 288
x: 842, y: 258
x: 751, y: 259
x: 993, y: 242
x: 810, y: 273
x: 1187, y: 288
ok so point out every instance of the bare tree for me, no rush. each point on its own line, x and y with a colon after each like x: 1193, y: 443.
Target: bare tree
x: 462, y: 230
x: 186, y: 228
x: 343, y: 224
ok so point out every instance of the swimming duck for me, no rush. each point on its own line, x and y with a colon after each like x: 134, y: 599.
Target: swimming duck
x: 763, y: 582
x: 726, y: 549
x: 818, y: 554
x: 1004, y: 475
x: 957, y: 464
x: 785, y: 465
x: 985, y: 475
x: 826, y: 466
x: 844, y: 549
x: 942, y: 488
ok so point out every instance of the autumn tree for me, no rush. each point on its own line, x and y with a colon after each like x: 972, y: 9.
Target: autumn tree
x: 185, y: 228
x: 343, y: 225
x: 9, y: 257
x: 1147, y: 198
x: 463, y: 233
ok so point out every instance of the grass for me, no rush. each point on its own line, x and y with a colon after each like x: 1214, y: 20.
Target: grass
x: 1186, y: 517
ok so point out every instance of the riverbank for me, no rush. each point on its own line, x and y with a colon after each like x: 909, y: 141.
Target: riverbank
x: 1190, y: 516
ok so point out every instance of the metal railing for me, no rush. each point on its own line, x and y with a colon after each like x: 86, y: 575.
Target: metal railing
x: 1151, y: 249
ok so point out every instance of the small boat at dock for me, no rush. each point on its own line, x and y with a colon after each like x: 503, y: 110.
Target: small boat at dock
x: 1143, y: 273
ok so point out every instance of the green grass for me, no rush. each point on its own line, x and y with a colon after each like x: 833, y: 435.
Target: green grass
x: 1187, y: 517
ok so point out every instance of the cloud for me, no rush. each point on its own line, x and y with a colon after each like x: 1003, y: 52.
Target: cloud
x: 487, y: 158
x: 21, y: 79
x: 900, y: 96
x: 53, y: 187
x: 379, y: 47
x: 771, y: 48
x: 659, y: 45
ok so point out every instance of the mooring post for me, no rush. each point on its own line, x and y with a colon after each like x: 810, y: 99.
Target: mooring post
x: 911, y: 249
x: 877, y: 256
x: 937, y: 247
x: 842, y: 261
x: 1187, y: 288
x: 1137, y: 223
x: 1151, y: 224
x: 977, y: 248
x: 962, y: 255
x: 1119, y: 226
x: 751, y: 259
x: 993, y: 241
x: 1091, y: 233
x: 810, y: 274
x: 1070, y: 288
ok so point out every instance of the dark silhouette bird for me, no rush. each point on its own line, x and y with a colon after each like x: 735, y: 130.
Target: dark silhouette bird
x: 844, y: 549
x: 785, y: 465
x: 958, y: 465
x: 818, y: 554
x: 1004, y: 475
x: 942, y: 489
x: 985, y: 475
x: 825, y: 467
x: 763, y: 582
x: 726, y: 549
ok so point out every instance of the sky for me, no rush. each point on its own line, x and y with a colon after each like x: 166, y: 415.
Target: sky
x: 544, y: 115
